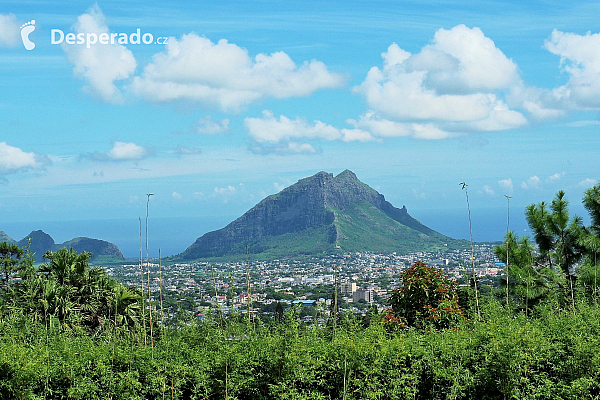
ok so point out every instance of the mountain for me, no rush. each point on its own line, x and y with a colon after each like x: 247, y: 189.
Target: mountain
x: 320, y: 214
x: 41, y: 242
x: 5, y: 238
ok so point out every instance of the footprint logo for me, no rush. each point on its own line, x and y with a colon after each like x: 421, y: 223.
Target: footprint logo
x: 26, y: 29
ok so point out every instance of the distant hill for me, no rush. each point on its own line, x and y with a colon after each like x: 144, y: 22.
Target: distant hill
x: 41, y: 242
x: 320, y: 214
x: 5, y: 238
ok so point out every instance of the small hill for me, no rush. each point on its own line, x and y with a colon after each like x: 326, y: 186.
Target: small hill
x: 41, y: 242
x: 320, y: 214
x: 5, y: 238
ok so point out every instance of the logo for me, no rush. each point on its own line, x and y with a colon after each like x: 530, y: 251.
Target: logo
x: 26, y: 29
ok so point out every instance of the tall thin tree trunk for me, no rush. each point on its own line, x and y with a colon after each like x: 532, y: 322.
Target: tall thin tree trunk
x: 142, y: 286
x: 335, y: 299
x: 216, y: 294
x: 248, y: 287
x: 595, y: 275
x: 507, y: 243
x: 148, y: 270
x: 464, y: 185
x: 162, y: 317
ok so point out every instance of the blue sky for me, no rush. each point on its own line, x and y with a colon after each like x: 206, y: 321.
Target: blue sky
x: 248, y: 97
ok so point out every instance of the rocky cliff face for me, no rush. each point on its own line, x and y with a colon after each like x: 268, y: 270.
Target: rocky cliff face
x: 320, y: 204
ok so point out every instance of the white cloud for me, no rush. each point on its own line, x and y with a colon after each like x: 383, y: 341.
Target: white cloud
x: 452, y: 82
x: 124, y: 151
x: 134, y: 199
x: 13, y: 159
x: 488, y: 190
x: 587, y: 182
x: 274, y: 130
x: 223, y: 74
x: 296, y: 148
x: 224, y: 190
x: 278, y: 186
x: 100, y: 65
x: 208, y: 126
x: 271, y: 134
x: 9, y: 31
x: 176, y: 196
x: 506, y: 184
x: 380, y: 127
x: 556, y: 177
x: 580, y: 59
x: 532, y: 182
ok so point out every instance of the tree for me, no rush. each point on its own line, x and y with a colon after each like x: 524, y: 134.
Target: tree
x: 590, y: 242
x: 527, y: 283
x: 11, y: 261
x: 426, y: 296
x: 557, y: 235
x: 279, y: 312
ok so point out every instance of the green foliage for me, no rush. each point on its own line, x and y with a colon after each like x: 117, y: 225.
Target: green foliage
x: 67, y: 290
x: 528, y: 283
x: 427, y: 298
x: 556, y: 234
x: 502, y: 356
x: 11, y: 262
x: 69, y: 331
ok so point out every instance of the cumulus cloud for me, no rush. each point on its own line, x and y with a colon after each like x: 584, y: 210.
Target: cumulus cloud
x: 100, y: 65
x: 224, y: 75
x: 587, y: 182
x: 13, y: 159
x: 9, y: 31
x: 121, y: 151
x: 384, y: 128
x: 506, y: 184
x: 580, y: 61
x: 556, y: 177
x: 282, y: 134
x: 224, y: 190
x: 532, y: 182
x: 488, y: 190
x: 208, y: 126
x: 453, y: 82
x: 176, y: 196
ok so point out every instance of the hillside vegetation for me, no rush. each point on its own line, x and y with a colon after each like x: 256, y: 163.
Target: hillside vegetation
x: 70, y: 331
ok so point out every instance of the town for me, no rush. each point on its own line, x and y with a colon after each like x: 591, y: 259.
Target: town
x: 364, y: 280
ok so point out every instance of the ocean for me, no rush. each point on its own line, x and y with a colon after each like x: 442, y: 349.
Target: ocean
x: 174, y: 235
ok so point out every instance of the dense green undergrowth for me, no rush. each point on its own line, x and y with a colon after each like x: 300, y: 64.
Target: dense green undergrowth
x: 553, y: 354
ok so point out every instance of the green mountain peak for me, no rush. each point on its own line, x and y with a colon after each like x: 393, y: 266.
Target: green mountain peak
x: 319, y: 214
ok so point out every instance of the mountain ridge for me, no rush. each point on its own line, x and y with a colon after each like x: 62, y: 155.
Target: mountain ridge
x: 41, y: 242
x: 333, y: 208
